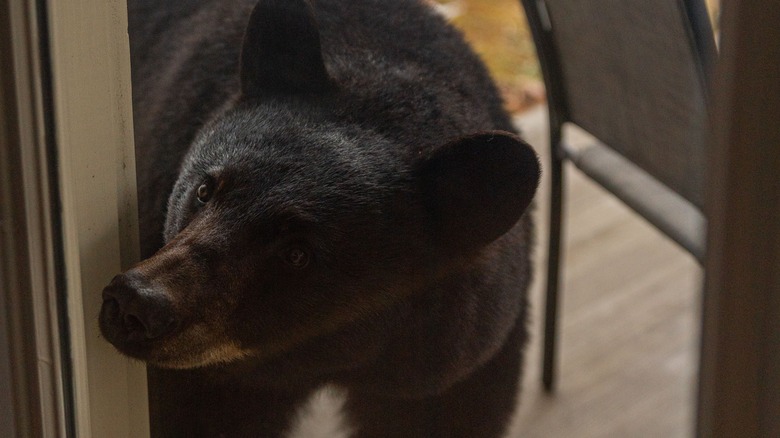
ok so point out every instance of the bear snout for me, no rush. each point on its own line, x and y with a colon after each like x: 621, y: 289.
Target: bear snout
x: 135, y: 311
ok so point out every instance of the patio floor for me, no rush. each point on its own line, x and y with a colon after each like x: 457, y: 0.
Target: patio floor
x: 629, y: 345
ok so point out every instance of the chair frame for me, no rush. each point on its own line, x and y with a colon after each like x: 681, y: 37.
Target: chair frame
x: 702, y: 42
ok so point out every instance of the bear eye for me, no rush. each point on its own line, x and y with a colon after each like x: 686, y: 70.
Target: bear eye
x: 296, y: 257
x: 205, y: 190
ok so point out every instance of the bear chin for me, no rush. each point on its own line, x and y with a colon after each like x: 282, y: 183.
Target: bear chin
x: 221, y: 354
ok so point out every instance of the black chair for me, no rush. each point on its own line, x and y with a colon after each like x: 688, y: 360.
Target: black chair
x: 634, y: 75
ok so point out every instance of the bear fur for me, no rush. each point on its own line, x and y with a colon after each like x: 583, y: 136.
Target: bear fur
x: 330, y: 193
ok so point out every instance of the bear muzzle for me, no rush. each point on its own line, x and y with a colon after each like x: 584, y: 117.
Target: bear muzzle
x: 135, y: 312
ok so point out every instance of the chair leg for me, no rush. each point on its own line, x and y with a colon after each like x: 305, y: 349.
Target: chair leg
x: 553, y: 269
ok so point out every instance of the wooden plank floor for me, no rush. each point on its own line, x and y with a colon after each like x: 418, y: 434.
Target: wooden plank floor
x: 630, y: 321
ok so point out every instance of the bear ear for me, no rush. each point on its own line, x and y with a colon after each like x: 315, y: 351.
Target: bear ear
x: 477, y: 187
x: 281, y: 51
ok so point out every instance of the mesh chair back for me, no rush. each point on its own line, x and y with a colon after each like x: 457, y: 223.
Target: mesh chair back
x: 633, y: 74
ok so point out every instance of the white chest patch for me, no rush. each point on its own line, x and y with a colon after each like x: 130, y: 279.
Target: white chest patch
x: 322, y: 416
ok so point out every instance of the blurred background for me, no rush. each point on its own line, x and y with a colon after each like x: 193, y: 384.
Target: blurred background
x: 498, y: 31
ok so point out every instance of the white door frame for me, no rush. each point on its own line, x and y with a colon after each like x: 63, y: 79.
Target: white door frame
x: 67, y: 125
x: 90, y: 68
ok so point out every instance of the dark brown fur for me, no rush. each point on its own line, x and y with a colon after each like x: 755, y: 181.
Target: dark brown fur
x: 331, y: 197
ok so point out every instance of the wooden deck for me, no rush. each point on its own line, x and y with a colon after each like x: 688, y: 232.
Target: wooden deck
x: 630, y: 321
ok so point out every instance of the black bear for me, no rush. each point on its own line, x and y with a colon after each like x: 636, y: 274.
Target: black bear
x: 330, y: 194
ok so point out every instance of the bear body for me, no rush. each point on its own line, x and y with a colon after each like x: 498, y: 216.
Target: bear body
x: 330, y: 194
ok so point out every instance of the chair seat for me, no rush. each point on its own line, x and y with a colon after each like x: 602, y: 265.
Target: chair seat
x: 663, y: 208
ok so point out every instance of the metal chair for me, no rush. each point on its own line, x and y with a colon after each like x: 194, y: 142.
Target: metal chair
x: 634, y: 74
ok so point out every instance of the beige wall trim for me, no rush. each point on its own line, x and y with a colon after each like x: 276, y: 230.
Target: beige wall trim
x: 740, y: 363
x: 92, y: 112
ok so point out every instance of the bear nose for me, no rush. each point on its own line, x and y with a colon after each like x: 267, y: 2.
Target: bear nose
x: 145, y: 312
